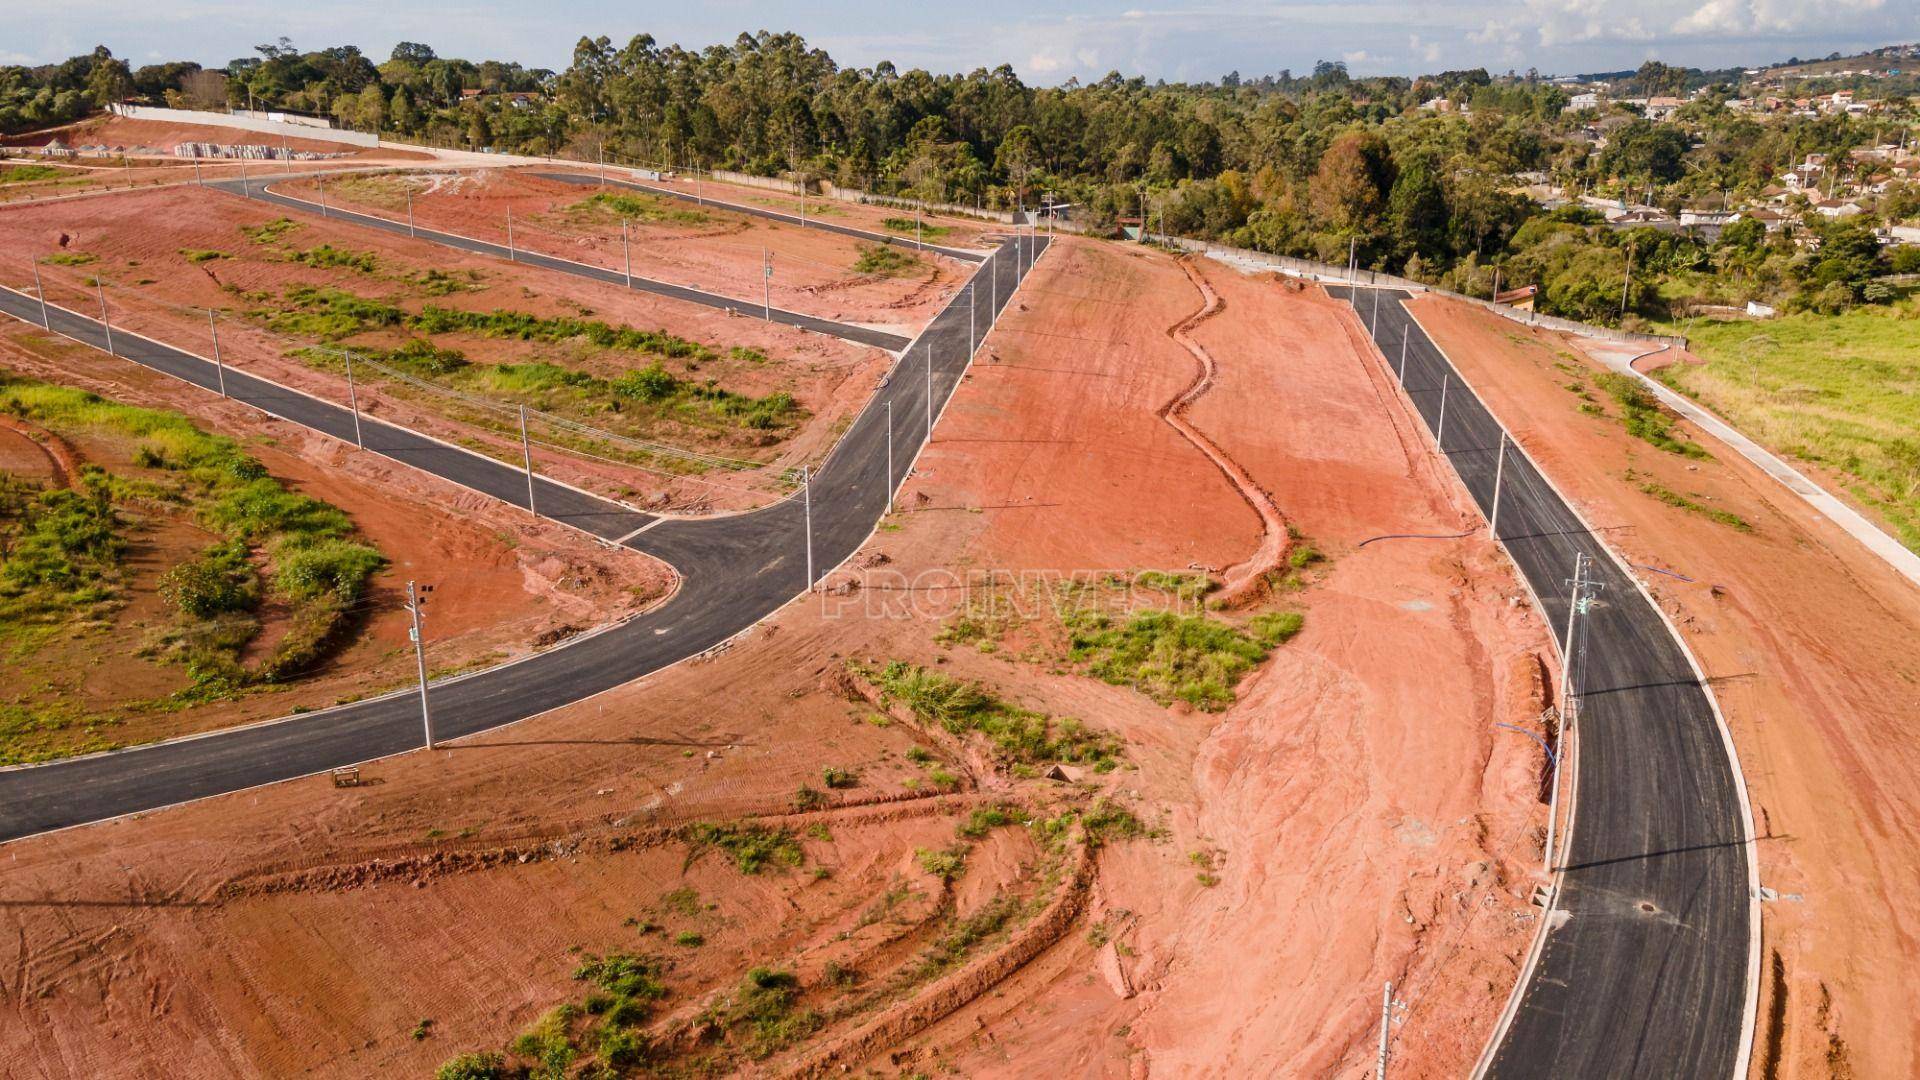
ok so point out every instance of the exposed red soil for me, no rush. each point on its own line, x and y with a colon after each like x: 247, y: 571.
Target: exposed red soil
x: 1363, y: 822
x: 813, y: 270
x: 1807, y: 640
x: 159, y: 136
x: 518, y: 584
x: 1250, y: 574
x: 961, y: 232
x: 154, y: 290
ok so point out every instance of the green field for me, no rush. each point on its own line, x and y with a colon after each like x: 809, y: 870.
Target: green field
x: 1839, y: 391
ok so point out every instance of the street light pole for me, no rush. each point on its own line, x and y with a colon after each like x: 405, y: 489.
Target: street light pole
x: 410, y: 231
x: 526, y: 456
x: 415, y: 602
x: 929, y: 355
x: 766, y: 285
x: 1440, y: 429
x: 889, y: 457
x: 806, y: 499
x: 626, y: 251
x: 1499, y: 472
x: 353, y: 402
x: 104, y: 320
x: 1405, y: 336
x: 40, y: 291
x: 220, y: 369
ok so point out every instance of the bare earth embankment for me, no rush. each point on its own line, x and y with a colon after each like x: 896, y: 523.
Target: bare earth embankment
x: 1218, y: 886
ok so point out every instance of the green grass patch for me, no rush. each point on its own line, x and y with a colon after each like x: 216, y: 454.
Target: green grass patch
x: 1168, y: 657
x: 1841, y: 392
x: 907, y: 226
x: 326, y: 256
x: 1678, y: 501
x: 271, y: 232
x: 202, y: 255
x: 1020, y: 737
x: 313, y: 561
x: 634, y: 206
x: 752, y: 847
x: 30, y: 174
x: 72, y: 258
x: 885, y: 260
x: 762, y: 1016
x: 1643, y: 415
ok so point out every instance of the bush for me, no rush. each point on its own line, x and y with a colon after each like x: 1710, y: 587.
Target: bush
x: 752, y: 847
x: 1277, y: 627
x: 330, y: 567
x: 947, y: 864
x: 839, y: 778
x: 485, y: 1065
x: 1645, y: 419
x: 1168, y: 657
x: 209, y: 586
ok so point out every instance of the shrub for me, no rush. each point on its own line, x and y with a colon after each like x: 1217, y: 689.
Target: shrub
x: 1019, y: 736
x: 626, y: 975
x: 839, y: 778
x: 884, y: 261
x: 485, y: 1065
x: 199, y: 255
x: 1277, y: 627
x: 946, y: 864
x: 209, y: 586
x: 983, y: 820
x: 752, y: 847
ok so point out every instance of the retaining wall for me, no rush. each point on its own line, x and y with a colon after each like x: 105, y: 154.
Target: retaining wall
x: 243, y: 122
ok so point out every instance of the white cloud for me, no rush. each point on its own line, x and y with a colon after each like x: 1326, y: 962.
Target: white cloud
x: 1428, y: 52
x: 1357, y: 56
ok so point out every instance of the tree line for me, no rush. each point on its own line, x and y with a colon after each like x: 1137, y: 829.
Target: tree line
x: 1418, y: 176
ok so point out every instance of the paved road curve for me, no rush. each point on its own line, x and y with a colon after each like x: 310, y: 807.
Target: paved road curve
x: 964, y: 254
x: 1649, y: 975
x: 257, y: 190
x: 736, y: 571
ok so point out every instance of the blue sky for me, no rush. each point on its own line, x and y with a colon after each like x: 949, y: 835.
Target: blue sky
x: 1046, y: 41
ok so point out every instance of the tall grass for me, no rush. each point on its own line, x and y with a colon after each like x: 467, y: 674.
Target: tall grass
x: 312, y: 560
x: 1020, y: 737
x: 1839, y: 391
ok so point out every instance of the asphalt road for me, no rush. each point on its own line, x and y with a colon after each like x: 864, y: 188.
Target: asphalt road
x: 966, y: 254
x: 864, y: 335
x: 1648, y: 976
x: 736, y: 570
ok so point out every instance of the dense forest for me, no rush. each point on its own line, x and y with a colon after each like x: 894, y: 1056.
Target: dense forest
x: 1318, y: 165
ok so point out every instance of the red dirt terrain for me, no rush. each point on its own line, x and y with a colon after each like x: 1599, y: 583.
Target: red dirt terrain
x: 1808, y: 641
x: 520, y: 585
x: 1349, y: 819
x: 155, y: 289
x: 139, y: 153
x: 945, y: 230
x: 705, y: 247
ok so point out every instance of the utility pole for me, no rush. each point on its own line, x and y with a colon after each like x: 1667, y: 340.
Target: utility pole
x: 104, y: 321
x: 196, y: 171
x: 353, y: 402
x: 510, y: 257
x: 1496, y: 284
x: 1353, y: 256
x: 916, y: 230
x: 526, y: 456
x: 410, y: 231
x: 766, y: 285
x: 626, y: 251
x: 929, y: 355
x: 323, y: 196
x: 993, y: 290
x: 1577, y: 605
x: 1440, y: 429
x: 806, y: 499
x: 1499, y: 471
x: 220, y: 369
x: 1373, y: 325
x: 1386, y: 1018
x: 973, y: 339
x: 1405, y: 336
x: 1626, y: 280
x: 40, y: 291
x: 415, y: 602
x: 243, y: 179
x: 889, y: 457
